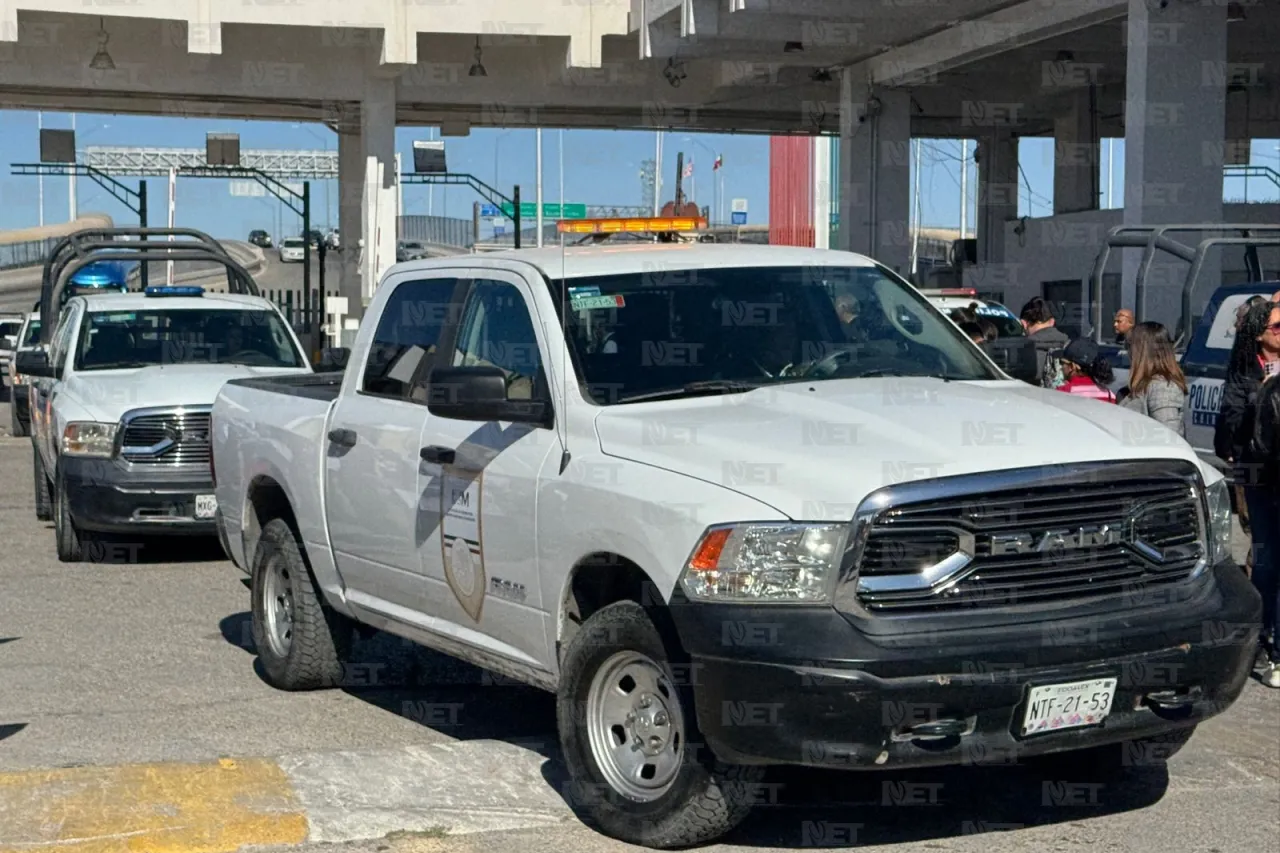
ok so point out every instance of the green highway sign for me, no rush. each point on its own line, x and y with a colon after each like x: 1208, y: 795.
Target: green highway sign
x: 529, y: 210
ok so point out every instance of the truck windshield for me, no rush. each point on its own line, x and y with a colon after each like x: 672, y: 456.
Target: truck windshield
x: 112, y: 340
x: 666, y: 332
x: 33, y: 334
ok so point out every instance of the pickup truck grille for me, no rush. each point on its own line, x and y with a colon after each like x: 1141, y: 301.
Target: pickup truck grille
x: 1034, y: 545
x: 171, y: 437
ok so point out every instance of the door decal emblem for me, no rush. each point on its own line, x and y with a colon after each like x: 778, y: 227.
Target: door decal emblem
x: 461, y: 538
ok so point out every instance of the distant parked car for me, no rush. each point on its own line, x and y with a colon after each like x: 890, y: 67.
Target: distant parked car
x: 19, y: 397
x: 260, y: 238
x: 410, y: 250
x: 10, y: 327
x: 291, y: 250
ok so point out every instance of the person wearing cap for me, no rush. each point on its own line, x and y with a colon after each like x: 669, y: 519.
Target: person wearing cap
x: 1087, y: 373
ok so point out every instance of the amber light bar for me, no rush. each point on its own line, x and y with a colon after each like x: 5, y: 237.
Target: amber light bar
x: 630, y: 226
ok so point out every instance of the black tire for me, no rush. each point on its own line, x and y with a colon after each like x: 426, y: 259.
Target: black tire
x: 44, y: 498
x: 74, y: 545
x: 706, y: 799
x: 1113, y: 760
x: 17, y: 427
x: 321, y: 638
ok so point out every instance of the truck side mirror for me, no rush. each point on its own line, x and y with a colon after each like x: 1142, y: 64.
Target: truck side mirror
x: 480, y: 394
x: 35, y: 363
x: 334, y: 358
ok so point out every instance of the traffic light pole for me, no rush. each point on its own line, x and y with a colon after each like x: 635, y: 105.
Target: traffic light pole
x: 515, y: 217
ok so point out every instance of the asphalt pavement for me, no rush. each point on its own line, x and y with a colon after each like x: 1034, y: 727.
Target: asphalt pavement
x: 138, y: 676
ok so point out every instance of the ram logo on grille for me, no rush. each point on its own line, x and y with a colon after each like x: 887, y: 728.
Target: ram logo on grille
x: 1056, y: 541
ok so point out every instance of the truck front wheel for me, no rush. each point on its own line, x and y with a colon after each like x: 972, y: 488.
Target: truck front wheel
x: 44, y: 496
x: 629, y: 734
x: 301, y: 643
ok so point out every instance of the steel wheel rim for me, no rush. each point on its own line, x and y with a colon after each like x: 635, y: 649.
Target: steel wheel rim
x: 635, y: 726
x: 277, y: 607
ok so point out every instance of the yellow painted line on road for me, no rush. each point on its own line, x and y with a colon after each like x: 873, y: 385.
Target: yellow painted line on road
x: 213, y: 807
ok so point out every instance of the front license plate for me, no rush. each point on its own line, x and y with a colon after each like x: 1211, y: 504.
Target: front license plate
x: 206, y: 506
x: 1054, y: 707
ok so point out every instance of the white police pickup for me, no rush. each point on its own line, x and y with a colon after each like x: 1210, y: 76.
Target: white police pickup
x: 667, y: 483
x: 124, y: 390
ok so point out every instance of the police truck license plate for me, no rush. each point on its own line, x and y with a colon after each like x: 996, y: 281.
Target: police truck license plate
x: 1053, y: 707
x: 206, y: 506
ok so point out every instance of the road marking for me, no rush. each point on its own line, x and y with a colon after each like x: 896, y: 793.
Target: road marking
x: 210, y: 807
x: 461, y: 787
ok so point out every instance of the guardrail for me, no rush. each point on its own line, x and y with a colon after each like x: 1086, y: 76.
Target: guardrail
x: 30, y: 253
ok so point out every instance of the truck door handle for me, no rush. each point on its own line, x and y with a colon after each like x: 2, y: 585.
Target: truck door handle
x: 343, y: 437
x: 437, y: 455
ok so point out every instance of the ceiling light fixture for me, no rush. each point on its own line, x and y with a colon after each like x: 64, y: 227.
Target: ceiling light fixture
x: 477, y: 67
x: 102, y: 60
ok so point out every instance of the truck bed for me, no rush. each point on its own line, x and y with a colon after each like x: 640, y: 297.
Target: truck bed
x: 317, y: 386
x: 262, y: 439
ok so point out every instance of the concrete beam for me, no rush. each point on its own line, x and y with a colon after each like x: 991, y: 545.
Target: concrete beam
x: 980, y: 38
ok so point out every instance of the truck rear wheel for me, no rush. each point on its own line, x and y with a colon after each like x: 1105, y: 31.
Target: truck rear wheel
x: 16, y: 425
x: 630, y: 739
x: 44, y: 500
x: 301, y: 642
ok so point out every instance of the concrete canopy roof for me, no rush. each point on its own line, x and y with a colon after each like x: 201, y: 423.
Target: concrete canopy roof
x: 714, y: 65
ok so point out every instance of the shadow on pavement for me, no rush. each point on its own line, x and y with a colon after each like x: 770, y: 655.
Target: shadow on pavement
x: 433, y: 690
x: 119, y: 550
x: 795, y: 806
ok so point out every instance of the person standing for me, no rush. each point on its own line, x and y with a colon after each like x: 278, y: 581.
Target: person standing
x: 1266, y: 576
x: 1087, y: 373
x: 1157, y: 385
x: 1037, y: 318
x: 1255, y: 356
x: 1123, y: 324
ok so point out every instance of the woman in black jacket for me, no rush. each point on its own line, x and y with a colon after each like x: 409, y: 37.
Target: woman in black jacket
x: 1255, y: 356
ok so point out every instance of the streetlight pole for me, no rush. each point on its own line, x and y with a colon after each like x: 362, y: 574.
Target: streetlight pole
x: 40, y: 185
x: 72, y: 213
x: 496, y: 144
x: 538, y: 200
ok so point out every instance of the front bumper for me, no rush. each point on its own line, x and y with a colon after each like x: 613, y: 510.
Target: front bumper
x: 109, y: 497
x: 791, y: 685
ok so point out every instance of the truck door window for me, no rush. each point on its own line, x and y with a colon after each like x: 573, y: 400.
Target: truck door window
x: 62, y: 341
x: 497, y: 331
x: 408, y: 331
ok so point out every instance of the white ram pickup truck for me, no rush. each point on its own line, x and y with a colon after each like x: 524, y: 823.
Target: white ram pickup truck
x: 123, y: 394
x: 667, y: 483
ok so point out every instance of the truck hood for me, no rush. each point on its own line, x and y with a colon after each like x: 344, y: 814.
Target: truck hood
x: 816, y: 450
x: 108, y: 394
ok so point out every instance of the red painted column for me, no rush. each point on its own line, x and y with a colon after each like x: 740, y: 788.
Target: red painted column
x: 791, y: 191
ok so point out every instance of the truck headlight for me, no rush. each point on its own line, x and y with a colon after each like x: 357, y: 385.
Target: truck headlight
x: 765, y: 563
x: 89, y: 438
x: 1218, y: 496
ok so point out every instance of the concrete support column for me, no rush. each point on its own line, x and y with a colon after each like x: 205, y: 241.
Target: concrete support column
x: 380, y: 199
x: 875, y: 173
x: 822, y: 192
x: 350, y: 222
x: 1175, y: 121
x: 997, y: 197
x: 1076, y: 156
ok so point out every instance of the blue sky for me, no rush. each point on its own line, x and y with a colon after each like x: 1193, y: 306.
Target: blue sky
x: 600, y: 167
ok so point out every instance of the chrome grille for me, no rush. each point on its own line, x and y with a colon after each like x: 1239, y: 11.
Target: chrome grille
x: 1030, y: 545
x: 170, y: 437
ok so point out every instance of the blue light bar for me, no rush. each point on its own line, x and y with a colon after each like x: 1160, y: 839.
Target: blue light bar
x: 182, y: 290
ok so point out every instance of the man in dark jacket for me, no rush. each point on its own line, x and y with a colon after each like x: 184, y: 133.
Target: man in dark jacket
x: 1037, y: 318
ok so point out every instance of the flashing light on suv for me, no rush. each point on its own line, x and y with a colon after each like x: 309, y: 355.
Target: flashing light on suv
x: 89, y: 438
x: 765, y: 563
x: 176, y: 290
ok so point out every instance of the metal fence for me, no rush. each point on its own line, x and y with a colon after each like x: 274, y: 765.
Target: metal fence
x: 305, y: 317
x: 448, y: 230
x: 29, y: 254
